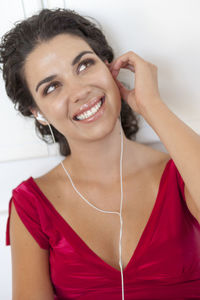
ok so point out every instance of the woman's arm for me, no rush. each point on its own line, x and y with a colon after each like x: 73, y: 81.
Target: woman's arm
x: 30, y: 264
x: 182, y: 143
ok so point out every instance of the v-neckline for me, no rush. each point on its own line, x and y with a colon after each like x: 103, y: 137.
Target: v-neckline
x: 83, y: 243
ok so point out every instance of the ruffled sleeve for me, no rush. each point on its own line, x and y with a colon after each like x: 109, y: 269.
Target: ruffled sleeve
x: 27, y: 211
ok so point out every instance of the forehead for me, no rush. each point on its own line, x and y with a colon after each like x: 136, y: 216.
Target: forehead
x: 54, y: 50
x: 61, y: 42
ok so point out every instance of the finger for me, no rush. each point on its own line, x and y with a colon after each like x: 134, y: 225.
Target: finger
x: 122, y: 64
x: 115, y: 72
x: 128, y: 59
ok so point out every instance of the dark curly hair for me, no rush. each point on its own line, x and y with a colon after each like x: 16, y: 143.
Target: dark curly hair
x: 20, y: 41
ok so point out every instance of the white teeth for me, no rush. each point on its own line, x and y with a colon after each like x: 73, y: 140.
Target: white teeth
x: 89, y: 112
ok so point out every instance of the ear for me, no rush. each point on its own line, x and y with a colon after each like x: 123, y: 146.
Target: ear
x: 108, y: 64
x: 35, y: 112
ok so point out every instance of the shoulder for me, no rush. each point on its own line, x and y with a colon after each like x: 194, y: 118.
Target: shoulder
x: 29, y: 253
x: 147, y: 165
x: 147, y: 158
x: 49, y: 178
x: 23, y: 191
x: 52, y: 184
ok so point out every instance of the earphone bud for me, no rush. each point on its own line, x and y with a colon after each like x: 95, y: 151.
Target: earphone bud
x: 40, y: 117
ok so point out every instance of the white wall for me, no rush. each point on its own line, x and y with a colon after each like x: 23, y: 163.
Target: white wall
x: 164, y: 32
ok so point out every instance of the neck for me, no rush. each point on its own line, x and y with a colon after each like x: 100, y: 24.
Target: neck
x: 93, y: 163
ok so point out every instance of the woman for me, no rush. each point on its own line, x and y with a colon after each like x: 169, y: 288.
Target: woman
x: 58, y: 67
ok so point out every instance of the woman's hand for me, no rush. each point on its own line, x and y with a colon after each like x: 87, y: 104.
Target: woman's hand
x: 145, y: 93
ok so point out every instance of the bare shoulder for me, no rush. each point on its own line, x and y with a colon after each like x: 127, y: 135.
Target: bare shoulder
x: 139, y: 155
x: 151, y: 164
x: 49, y: 179
x: 148, y: 158
x: 53, y: 185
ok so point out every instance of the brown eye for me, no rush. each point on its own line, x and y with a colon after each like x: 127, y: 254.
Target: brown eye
x: 51, y: 87
x: 85, y: 63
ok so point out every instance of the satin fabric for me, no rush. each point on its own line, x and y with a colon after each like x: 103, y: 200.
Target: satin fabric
x: 164, y: 265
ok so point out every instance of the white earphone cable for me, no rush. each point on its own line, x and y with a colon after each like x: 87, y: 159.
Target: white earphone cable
x: 110, y: 212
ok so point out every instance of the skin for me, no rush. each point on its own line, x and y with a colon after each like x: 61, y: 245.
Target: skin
x: 143, y: 99
x: 182, y: 143
x: 95, y: 154
x: 75, y: 87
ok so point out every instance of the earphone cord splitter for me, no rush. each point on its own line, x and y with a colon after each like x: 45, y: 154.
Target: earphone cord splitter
x: 108, y: 212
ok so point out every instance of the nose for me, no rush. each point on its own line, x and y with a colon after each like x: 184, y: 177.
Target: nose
x: 78, y: 92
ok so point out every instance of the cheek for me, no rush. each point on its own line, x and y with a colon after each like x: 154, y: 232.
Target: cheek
x: 112, y: 90
x: 106, y: 79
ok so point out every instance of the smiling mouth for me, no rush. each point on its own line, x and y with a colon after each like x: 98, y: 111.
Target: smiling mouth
x: 90, y: 112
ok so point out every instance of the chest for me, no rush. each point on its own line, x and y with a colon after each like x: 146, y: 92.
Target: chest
x: 100, y: 231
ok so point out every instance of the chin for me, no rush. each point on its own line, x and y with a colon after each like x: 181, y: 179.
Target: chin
x: 102, y: 130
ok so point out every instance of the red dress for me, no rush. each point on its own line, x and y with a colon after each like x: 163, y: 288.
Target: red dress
x: 164, y: 265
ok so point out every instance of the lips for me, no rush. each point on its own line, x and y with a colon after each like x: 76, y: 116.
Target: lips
x: 87, y: 106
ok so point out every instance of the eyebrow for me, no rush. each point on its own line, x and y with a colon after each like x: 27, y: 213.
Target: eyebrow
x: 74, y: 62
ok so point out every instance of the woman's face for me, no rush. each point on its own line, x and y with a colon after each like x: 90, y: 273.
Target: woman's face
x: 73, y: 88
